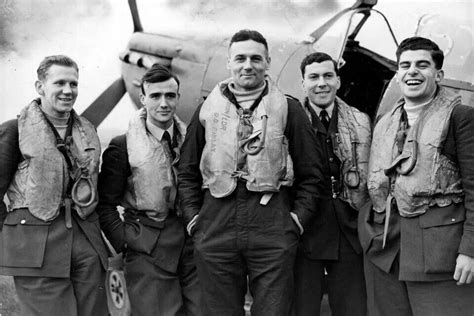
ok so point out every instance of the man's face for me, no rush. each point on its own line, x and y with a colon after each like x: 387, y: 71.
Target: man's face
x: 160, y: 100
x: 417, y: 75
x: 320, y: 83
x: 248, y: 62
x: 58, y: 91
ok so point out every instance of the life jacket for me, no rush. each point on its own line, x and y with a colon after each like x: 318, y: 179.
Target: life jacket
x: 265, y: 171
x: 151, y: 188
x: 352, y: 149
x: 433, y: 179
x: 41, y: 180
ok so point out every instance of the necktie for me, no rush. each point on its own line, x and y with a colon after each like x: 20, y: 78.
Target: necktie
x: 167, y: 138
x: 324, y: 117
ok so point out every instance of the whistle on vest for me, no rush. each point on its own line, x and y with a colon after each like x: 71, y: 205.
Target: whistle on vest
x: 335, y: 138
x: 334, y: 187
x: 335, y: 141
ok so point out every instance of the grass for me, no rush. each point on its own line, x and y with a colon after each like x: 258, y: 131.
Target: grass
x: 8, y: 301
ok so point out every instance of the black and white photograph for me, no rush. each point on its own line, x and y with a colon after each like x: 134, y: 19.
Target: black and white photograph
x: 273, y: 157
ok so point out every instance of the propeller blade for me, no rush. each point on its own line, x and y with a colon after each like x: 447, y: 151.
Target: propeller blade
x: 105, y: 103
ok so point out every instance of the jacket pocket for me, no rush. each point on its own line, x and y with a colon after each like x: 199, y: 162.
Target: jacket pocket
x: 139, y: 236
x: 442, y: 230
x: 365, y: 230
x: 23, y: 240
x: 370, y: 229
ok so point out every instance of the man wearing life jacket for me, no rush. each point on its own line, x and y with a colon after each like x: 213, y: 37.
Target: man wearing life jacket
x: 419, y: 236
x: 50, y: 241
x: 249, y: 178
x: 138, y: 173
x: 331, y: 243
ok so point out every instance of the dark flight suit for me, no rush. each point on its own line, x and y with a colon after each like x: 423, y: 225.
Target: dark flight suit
x: 235, y: 236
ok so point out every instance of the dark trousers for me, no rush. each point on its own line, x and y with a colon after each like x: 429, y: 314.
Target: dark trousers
x: 386, y: 295
x: 155, y: 291
x: 188, y: 279
x: 82, y: 294
x: 345, y: 280
x: 236, y: 238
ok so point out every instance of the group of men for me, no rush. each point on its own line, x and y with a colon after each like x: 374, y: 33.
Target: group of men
x: 259, y: 192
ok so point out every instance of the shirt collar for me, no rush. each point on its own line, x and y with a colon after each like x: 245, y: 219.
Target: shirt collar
x: 158, y: 132
x: 318, y: 110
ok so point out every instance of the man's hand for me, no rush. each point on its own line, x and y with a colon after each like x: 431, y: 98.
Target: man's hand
x: 297, y: 222
x: 464, y: 271
x: 190, y: 226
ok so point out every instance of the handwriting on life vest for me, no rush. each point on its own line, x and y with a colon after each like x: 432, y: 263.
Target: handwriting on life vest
x: 220, y: 123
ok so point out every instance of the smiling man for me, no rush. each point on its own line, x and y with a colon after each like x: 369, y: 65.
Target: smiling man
x: 138, y: 173
x: 331, y: 243
x: 50, y: 241
x: 419, y: 237
x: 249, y: 177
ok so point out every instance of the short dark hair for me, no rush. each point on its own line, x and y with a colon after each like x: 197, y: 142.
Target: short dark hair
x: 60, y: 60
x: 158, y: 73
x: 246, y: 34
x: 416, y: 43
x: 317, y: 57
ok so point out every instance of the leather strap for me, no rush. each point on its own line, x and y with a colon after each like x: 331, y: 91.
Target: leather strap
x: 67, y: 213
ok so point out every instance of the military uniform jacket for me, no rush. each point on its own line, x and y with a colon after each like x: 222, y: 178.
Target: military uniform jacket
x: 428, y: 244
x: 30, y: 246
x: 161, y: 242
x: 334, y: 216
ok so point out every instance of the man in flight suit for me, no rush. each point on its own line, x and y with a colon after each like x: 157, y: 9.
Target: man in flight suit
x: 249, y: 178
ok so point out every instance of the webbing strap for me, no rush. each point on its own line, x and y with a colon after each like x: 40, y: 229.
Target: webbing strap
x: 388, y: 211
